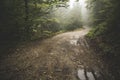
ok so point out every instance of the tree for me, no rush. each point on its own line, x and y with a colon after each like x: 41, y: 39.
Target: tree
x: 20, y: 18
x: 105, y: 32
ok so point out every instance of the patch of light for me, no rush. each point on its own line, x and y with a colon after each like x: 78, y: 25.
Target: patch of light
x: 84, y: 10
x: 82, y: 2
x: 71, y: 3
x: 75, y: 11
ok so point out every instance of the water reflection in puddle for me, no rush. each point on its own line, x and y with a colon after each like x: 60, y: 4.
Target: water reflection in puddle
x: 73, y: 42
x: 82, y: 75
x: 90, y: 76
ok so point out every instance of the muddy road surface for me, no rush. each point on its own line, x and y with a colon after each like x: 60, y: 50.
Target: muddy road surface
x: 66, y: 56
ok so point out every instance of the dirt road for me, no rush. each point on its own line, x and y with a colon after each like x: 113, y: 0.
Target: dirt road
x: 66, y: 56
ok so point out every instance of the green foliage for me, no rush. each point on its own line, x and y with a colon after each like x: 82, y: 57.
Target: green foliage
x: 72, y: 26
x: 24, y: 19
x: 105, y: 33
x: 97, y: 31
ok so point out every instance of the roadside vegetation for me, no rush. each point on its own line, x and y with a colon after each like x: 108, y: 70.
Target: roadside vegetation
x: 105, y: 37
x: 27, y: 20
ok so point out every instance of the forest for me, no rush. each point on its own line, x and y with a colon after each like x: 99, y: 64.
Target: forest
x: 42, y: 39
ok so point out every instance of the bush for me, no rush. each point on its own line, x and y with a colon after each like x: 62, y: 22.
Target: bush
x: 97, y: 31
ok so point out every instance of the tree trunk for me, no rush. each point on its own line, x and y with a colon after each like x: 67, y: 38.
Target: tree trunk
x: 35, y: 3
x: 26, y: 10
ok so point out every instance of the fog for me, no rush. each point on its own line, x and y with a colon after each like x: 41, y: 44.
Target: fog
x: 74, y: 10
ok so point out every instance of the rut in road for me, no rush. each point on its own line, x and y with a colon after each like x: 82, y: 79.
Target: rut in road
x: 66, y: 56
